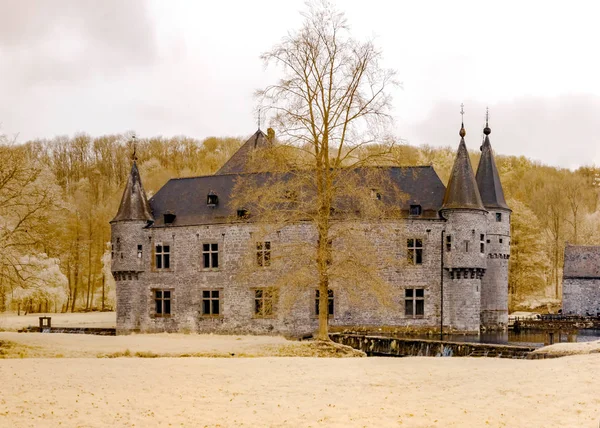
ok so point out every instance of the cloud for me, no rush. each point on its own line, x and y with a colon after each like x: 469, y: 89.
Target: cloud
x: 69, y: 40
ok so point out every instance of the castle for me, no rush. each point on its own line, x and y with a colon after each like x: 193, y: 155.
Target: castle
x: 177, y: 256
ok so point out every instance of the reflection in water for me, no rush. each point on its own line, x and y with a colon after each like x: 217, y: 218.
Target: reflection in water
x: 526, y: 338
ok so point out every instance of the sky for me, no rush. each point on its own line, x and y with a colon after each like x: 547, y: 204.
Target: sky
x: 192, y: 67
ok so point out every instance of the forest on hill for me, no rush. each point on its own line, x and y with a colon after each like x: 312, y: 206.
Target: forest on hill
x: 57, y: 197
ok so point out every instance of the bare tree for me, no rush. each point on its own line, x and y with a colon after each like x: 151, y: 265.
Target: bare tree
x: 332, y: 101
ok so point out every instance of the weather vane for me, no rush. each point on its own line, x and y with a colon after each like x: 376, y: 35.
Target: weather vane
x: 462, y: 132
x: 258, y: 119
x: 487, y: 116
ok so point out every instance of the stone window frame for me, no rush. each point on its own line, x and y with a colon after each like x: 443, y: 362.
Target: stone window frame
x: 331, y: 304
x: 264, y: 295
x: 211, y: 299
x: 210, y: 252
x: 264, y: 254
x: 412, y: 251
x: 498, y: 217
x: 482, y: 243
x: 155, y: 299
x: 414, y: 298
x: 154, y: 257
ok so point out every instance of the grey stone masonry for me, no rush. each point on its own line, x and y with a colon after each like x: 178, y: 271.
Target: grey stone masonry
x: 494, y: 285
x: 581, y: 280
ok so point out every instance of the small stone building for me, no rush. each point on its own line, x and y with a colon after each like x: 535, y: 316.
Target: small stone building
x: 581, y: 280
x: 177, y: 257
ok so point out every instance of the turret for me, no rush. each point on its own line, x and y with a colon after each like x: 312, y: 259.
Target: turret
x: 127, y: 228
x: 464, y: 257
x: 494, y: 293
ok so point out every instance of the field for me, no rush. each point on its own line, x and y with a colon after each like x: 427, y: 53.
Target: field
x: 100, y: 383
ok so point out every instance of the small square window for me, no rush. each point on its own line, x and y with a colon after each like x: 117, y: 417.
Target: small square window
x: 329, y: 302
x: 162, y: 303
x: 210, y: 256
x: 265, y: 300
x: 498, y: 216
x: 211, y: 302
x: 263, y: 253
x: 414, y: 302
x: 415, y: 210
x: 414, y: 251
x: 500, y: 240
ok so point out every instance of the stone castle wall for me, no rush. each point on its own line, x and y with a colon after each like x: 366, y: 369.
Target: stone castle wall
x: 236, y: 278
x: 581, y: 296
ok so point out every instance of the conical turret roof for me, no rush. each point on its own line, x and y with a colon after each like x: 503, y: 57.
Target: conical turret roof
x: 462, y: 191
x: 134, y: 204
x: 488, y: 179
x: 239, y: 162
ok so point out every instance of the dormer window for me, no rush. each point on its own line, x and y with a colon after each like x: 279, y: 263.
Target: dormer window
x: 169, y: 217
x: 415, y: 210
x: 242, y: 213
x: 212, y: 199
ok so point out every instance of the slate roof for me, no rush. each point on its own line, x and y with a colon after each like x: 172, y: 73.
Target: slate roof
x: 238, y: 163
x: 187, y: 197
x: 462, y: 191
x: 582, y: 261
x: 488, y: 179
x: 134, y: 204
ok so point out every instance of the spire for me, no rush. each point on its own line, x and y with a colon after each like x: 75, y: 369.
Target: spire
x: 134, y: 204
x: 462, y: 191
x: 488, y: 179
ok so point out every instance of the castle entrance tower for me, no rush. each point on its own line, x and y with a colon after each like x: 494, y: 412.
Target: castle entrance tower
x: 494, y: 292
x: 464, y: 261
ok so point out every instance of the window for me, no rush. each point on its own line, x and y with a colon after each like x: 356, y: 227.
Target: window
x: 498, y: 216
x: 329, y: 302
x: 264, y: 301
x: 162, y: 256
x: 118, y: 244
x: 169, y: 217
x: 139, y: 251
x: 211, y: 302
x: 210, y: 256
x: 466, y: 246
x: 415, y: 210
x: 414, y: 302
x: 448, y: 243
x: 263, y: 253
x: 162, y: 303
x: 212, y: 199
x: 414, y: 251
x: 500, y: 240
x: 242, y: 213
x: 482, y: 243
x: 376, y: 194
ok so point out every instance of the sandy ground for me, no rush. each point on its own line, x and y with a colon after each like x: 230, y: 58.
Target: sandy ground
x: 13, y: 322
x: 300, y: 392
x: 84, y: 345
x: 563, y: 349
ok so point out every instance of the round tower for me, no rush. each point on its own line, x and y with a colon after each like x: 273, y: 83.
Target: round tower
x: 464, y: 261
x: 494, y: 293
x: 130, y: 254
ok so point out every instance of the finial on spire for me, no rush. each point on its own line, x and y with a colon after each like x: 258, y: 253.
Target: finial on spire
x: 258, y: 119
x: 133, y: 155
x: 487, y: 130
x: 462, y: 132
